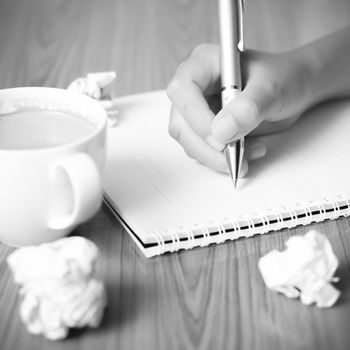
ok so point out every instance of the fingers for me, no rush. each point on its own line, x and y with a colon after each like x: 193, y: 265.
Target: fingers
x: 193, y: 124
x: 254, y: 151
x: 194, y: 145
x: 257, y: 102
x: 197, y: 148
x: 195, y: 78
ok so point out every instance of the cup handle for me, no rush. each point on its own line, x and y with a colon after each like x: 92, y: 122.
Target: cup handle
x: 85, y: 185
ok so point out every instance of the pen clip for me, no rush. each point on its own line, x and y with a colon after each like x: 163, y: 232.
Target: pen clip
x: 241, y: 10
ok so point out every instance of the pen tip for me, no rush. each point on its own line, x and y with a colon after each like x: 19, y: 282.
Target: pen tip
x: 234, y: 183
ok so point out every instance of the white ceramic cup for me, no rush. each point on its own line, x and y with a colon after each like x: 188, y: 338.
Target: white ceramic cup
x: 46, y: 192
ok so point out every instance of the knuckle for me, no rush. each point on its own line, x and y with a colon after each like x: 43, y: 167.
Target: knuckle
x: 173, y: 88
x: 244, y: 169
x: 273, y: 88
x: 204, y: 49
x: 276, y: 90
x: 252, y: 109
x: 174, y: 129
x: 221, y: 166
x: 189, y: 153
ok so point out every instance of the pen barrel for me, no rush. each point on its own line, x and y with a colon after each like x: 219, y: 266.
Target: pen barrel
x: 228, y: 94
x: 229, y: 25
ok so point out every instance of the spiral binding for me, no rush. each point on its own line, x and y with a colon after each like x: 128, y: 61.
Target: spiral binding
x: 235, y: 228
x: 307, y: 212
x: 221, y: 231
x: 336, y: 210
x: 190, y: 237
x: 348, y: 205
x: 175, y: 239
x: 160, y: 241
x: 292, y: 215
x: 205, y: 233
x: 265, y: 224
x: 323, y: 213
x: 335, y: 207
x: 277, y: 216
x: 247, y: 225
x: 250, y: 224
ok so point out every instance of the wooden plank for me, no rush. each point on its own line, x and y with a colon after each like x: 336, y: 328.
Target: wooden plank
x: 207, y: 298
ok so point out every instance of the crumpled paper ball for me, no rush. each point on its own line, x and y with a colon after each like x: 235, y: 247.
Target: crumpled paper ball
x: 59, y: 287
x: 305, y: 269
x: 96, y: 85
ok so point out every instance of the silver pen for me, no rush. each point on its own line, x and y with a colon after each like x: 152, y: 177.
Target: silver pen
x: 231, y: 25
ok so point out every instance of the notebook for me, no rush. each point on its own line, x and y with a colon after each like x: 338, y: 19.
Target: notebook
x: 168, y: 201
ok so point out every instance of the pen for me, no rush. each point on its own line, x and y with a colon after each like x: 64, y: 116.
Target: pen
x: 231, y: 29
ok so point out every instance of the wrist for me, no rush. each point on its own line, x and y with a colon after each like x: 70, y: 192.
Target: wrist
x: 326, y: 61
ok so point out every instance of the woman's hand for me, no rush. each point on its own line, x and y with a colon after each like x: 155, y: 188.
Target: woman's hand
x: 277, y: 90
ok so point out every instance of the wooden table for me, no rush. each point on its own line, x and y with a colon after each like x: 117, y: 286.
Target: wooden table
x: 208, y: 298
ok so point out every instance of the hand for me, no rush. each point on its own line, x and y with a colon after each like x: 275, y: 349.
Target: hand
x: 276, y: 92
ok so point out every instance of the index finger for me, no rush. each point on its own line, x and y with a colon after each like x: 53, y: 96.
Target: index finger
x: 196, y: 77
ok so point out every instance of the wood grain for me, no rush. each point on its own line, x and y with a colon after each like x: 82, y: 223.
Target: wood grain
x: 208, y: 298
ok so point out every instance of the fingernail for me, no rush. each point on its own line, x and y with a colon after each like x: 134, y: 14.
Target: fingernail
x: 219, y: 146
x: 244, y: 169
x: 224, y: 128
x: 258, y: 151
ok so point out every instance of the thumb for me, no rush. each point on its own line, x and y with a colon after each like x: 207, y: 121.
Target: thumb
x: 242, y: 115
